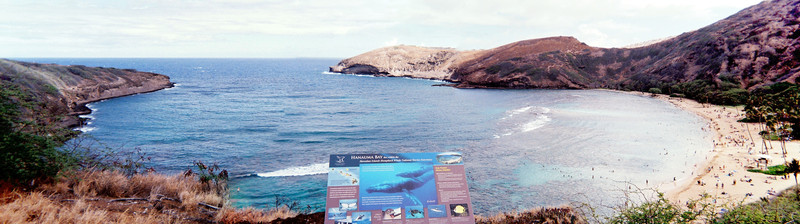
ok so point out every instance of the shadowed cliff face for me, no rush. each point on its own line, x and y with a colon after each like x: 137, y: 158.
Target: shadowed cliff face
x: 538, y: 63
x: 757, y: 46
x: 60, y: 92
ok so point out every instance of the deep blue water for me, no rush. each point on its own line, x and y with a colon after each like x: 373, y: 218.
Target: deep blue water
x: 274, y: 122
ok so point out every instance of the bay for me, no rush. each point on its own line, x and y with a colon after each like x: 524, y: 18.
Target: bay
x: 273, y: 123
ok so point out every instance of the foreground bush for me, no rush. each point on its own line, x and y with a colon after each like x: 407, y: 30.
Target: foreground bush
x: 28, y: 148
x: 785, y: 208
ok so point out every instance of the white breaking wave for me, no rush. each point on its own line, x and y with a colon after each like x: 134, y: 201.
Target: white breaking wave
x: 524, y: 119
x: 85, y: 129
x: 86, y: 116
x: 313, y: 169
x: 336, y: 73
x: 545, y: 110
x: 537, y: 123
x: 513, y: 112
x: 91, y: 107
x: 519, y: 111
x: 173, y: 86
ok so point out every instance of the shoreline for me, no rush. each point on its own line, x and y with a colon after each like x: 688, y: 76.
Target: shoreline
x: 82, y: 109
x: 723, y: 174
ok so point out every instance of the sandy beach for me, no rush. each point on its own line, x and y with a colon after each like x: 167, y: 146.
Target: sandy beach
x: 737, y: 146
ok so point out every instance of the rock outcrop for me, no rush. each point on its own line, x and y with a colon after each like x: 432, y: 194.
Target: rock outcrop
x: 61, y: 92
x: 755, y: 47
x: 406, y: 61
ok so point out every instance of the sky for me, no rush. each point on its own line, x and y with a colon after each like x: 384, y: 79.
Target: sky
x: 331, y: 28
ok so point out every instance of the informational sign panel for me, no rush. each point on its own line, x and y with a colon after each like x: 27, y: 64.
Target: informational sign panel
x: 398, y: 188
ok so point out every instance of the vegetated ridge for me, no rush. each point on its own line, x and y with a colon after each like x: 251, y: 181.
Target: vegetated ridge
x: 60, y: 92
x: 755, y: 47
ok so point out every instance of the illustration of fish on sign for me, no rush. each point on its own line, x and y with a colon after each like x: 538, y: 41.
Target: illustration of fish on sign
x: 458, y: 210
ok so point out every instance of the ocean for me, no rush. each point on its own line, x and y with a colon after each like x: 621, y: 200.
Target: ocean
x: 272, y: 123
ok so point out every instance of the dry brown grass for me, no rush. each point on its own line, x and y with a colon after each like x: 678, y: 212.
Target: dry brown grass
x: 89, y: 197
x: 152, y: 186
x: 251, y: 215
x: 35, y: 207
x: 552, y: 215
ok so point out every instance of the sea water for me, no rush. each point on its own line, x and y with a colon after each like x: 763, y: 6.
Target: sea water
x: 272, y: 123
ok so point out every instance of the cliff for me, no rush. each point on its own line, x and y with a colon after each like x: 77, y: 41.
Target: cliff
x: 57, y: 93
x: 755, y: 47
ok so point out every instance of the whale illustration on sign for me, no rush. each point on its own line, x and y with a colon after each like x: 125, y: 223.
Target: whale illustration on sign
x: 407, y: 182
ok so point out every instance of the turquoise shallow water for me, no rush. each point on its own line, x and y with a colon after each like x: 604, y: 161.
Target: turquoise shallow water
x: 274, y: 122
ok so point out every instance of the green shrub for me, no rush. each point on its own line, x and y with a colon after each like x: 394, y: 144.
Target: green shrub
x: 52, y: 90
x: 650, y: 206
x: 654, y: 90
x: 659, y: 211
x: 772, y: 170
x: 782, y: 209
x: 25, y: 155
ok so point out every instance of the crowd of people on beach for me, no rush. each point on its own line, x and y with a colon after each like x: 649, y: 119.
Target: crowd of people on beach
x: 735, y: 150
x: 733, y: 141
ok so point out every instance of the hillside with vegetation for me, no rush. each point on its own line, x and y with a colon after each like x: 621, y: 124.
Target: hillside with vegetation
x: 719, y: 63
x: 57, y: 93
x: 40, y: 102
x: 44, y: 178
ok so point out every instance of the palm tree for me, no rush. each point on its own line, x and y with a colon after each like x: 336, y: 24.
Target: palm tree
x: 793, y: 168
x: 758, y: 108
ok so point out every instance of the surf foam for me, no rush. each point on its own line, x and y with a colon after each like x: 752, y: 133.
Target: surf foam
x: 537, y: 123
x: 85, y: 129
x: 313, y: 169
x: 524, y: 119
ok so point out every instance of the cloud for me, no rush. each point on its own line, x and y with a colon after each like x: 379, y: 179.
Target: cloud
x: 106, y: 27
x: 392, y: 42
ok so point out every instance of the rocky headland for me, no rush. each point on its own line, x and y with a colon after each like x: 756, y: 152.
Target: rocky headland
x: 755, y: 47
x: 57, y: 93
x: 406, y: 61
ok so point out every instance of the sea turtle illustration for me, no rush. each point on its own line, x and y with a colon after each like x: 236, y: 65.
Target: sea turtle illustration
x: 414, y: 212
